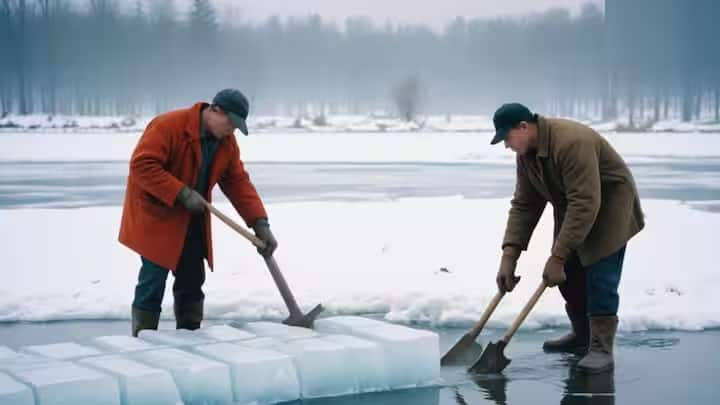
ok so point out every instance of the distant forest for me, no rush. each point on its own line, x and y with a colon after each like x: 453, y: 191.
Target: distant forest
x: 643, y: 59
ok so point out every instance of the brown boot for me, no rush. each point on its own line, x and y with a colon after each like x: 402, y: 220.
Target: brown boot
x: 142, y: 319
x: 602, y: 338
x: 188, y: 315
x: 577, y: 340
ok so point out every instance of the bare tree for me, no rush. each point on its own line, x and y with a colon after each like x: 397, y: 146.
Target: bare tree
x: 407, y: 98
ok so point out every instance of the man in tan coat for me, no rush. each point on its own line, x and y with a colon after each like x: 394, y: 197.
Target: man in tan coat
x: 596, y: 210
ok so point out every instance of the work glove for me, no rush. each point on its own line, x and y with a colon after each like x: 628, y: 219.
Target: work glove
x: 262, y: 231
x: 506, y: 278
x: 554, y: 272
x: 192, y: 200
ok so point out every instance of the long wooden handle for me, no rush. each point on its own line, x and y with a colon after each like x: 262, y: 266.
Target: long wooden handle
x: 524, y: 313
x: 475, y: 331
x: 277, y: 276
x: 232, y: 224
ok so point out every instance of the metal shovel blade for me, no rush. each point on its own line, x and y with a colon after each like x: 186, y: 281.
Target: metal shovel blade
x: 493, y: 359
x: 304, y: 321
x: 463, y: 353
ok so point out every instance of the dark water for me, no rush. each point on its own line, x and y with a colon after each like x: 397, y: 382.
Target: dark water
x: 651, y: 367
x: 81, y: 184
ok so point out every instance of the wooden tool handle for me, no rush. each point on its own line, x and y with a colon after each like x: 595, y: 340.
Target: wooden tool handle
x: 524, y: 313
x: 232, y: 224
x: 475, y: 331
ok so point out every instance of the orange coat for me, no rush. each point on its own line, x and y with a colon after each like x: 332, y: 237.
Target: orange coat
x: 166, y: 158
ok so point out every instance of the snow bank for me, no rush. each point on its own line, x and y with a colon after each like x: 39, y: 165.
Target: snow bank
x: 431, y: 261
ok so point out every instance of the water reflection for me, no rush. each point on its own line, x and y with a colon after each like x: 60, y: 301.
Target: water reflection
x: 595, y: 389
x: 579, y: 388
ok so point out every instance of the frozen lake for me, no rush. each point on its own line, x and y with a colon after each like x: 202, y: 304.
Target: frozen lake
x: 344, y: 186
x: 102, y: 183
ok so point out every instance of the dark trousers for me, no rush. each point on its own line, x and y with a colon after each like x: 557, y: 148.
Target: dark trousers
x: 189, y: 275
x: 592, y: 290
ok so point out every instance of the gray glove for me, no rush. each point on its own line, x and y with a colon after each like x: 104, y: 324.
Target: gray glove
x: 192, y: 200
x: 262, y: 231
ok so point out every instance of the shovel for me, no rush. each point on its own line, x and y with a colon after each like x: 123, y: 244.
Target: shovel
x: 467, y: 350
x: 493, y: 359
x: 296, y: 318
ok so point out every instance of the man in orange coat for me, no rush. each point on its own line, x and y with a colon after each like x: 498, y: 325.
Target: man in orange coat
x: 179, y: 158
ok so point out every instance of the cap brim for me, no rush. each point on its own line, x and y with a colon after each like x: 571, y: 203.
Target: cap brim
x: 238, y: 122
x: 500, y: 136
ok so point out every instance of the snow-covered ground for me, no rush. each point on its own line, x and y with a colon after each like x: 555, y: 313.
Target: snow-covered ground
x: 332, y: 123
x: 341, y: 147
x: 356, y: 258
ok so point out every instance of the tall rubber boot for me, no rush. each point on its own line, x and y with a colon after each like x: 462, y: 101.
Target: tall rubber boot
x: 602, y: 339
x: 188, y: 315
x: 577, y: 340
x: 142, y: 319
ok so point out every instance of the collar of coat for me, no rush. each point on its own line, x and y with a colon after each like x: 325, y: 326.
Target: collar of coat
x: 192, y: 126
x: 543, y: 137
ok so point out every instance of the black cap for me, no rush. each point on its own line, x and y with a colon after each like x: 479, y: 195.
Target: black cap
x: 236, y: 105
x: 507, y: 117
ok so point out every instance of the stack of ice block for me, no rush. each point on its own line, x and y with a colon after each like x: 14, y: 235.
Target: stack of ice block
x: 257, y: 362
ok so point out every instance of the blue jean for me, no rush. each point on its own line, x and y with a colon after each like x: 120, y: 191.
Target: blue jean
x: 593, y: 289
x: 189, y: 274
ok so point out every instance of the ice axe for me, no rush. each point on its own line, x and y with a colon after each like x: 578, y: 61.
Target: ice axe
x: 296, y: 318
x: 467, y: 350
x: 493, y: 359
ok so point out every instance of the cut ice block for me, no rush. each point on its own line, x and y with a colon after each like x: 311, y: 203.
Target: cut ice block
x: 174, y: 337
x: 258, y: 375
x: 199, y: 379
x: 342, y: 324
x: 260, y: 343
x: 139, y: 383
x: 123, y: 344
x: 278, y: 330
x: 224, y: 333
x: 322, y: 366
x: 62, y: 351
x: 366, y: 362
x: 6, y: 352
x: 14, y: 393
x: 24, y: 361
x: 68, y: 383
x: 412, y: 357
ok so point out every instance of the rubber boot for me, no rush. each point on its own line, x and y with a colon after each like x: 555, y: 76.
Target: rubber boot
x: 142, y: 319
x: 602, y: 337
x: 577, y: 340
x: 188, y: 315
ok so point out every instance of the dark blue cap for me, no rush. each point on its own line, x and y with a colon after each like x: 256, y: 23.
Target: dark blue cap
x: 236, y: 105
x: 507, y: 117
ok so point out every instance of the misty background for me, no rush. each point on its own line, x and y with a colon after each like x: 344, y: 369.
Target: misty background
x: 643, y: 59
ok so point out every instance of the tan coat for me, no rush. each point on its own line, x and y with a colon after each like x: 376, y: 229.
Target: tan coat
x: 595, y: 201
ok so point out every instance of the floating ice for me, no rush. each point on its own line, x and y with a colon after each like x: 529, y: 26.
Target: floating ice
x: 278, y: 330
x: 258, y: 375
x: 6, y: 352
x: 123, y: 344
x: 366, y: 362
x: 412, y: 356
x: 174, y: 337
x: 139, y: 383
x: 199, y: 379
x: 62, y: 351
x: 67, y: 383
x: 14, y: 393
x: 324, y: 367
x: 224, y: 333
